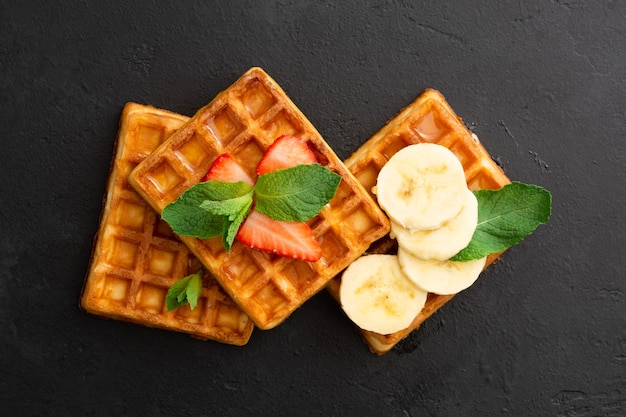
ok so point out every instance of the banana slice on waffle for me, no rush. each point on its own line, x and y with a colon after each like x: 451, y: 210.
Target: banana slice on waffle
x: 428, y: 119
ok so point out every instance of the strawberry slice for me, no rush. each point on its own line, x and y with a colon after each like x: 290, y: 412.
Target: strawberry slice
x: 290, y: 239
x: 226, y: 169
x: 285, y: 152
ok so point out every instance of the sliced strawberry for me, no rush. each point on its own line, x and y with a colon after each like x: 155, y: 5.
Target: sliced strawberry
x: 226, y: 169
x: 290, y: 239
x: 285, y: 152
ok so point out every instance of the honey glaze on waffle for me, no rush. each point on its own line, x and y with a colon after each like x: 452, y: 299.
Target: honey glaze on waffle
x: 428, y: 119
x: 137, y: 257
x: 243, y: 121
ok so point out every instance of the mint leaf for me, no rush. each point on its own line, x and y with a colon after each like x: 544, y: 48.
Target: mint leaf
x: 186, y: 217
x: 232, y: 223
x: 297, y: 193
x: 185, y: 290
x: 505, y: 217
x: 220, y: 190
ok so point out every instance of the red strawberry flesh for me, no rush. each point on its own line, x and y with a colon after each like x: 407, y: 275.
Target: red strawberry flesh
x: 290, y: 239
x: 226, y: 169
x: 286, y: 151
x: 258, y: 231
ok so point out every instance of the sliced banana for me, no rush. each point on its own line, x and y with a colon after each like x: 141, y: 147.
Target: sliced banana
x: 377, y: 296
x: 422, y: 186
x: 440, y: 277
x: 443, y: 242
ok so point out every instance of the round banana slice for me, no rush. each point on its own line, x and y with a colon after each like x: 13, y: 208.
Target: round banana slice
x: 421, y: 186
x: 443, y: 242
x: 377, y: 296
x: 440, y: 277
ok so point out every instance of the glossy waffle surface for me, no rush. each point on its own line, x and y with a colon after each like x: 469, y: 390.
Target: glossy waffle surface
x: 243, y: 121
x: 136, y: 256
x: 428, y: 119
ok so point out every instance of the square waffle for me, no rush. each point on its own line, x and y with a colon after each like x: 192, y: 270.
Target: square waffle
x: 243, y: 121
x: 136, y: 256
x: 428, y: 119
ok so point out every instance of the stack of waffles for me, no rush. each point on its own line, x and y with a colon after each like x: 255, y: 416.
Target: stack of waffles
x: 159, y: 155
x: 136, y: 257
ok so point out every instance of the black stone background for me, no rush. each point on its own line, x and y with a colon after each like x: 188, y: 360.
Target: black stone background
x: 542, y: 83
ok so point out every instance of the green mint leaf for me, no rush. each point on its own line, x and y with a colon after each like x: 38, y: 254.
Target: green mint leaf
x: 232, y: 223
x: 220, y: 190
x: 230, y: 207
x: 505, y: 217
x: 297, y: 193
x: 187, y: 217
x: 185, y: 290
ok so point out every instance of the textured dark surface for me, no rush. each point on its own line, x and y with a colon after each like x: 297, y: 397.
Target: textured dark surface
x: 542, y: 83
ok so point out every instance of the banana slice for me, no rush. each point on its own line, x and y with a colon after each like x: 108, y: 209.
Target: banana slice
x: 377, y: 296
x: 443, y: 242
x: 440, y: 277
x: 422, y: 186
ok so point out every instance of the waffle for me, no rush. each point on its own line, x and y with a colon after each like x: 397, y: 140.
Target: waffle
x: 243, y: 121
x: 136, y: 256
x: 428, y: 119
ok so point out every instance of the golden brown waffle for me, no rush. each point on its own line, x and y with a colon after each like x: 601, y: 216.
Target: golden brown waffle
x: 428, y: 119
x: 243, y: 121
x: 136, y: 256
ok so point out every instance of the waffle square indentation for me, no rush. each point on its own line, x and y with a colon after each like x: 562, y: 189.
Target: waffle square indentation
x: 164, y: 177
x: 343, y: 194
x: 163, y: 230
x: 194, y: 154
x: 281, y: 124
x: 224, y: 126
x: 257, y: 99
x: 150, y: 298
x: 115, y: 288
x: 160, y: 261
x: 251, y: 152
x: 468, y: 155
x: 231, y: 318
x: 396, y: 143
x: 430, y: 127
x: 242, y: 269
x: 368, y: 176
x: 300, y: 274
x: 484, y: 180
x: 130, y: 214
x: 270, y: 298
x: 360, y: 222
x: 148, y: 138
x: 123, y: 253
x: 333, y: 247
x: 194, y: 316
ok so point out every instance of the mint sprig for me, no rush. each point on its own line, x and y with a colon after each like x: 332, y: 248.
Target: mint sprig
x: 212, y: 208
x: 185, y: 290
x: 505, y: 217
x: 295, y: 194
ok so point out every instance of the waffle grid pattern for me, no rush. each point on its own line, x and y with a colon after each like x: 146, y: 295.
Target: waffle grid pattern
x: 428, y: 119
x: 137, y: 257
x: 243, y: 121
